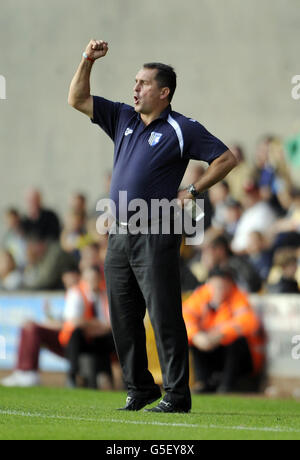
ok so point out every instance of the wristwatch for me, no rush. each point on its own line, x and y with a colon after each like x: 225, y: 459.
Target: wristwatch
x: 193, y: 191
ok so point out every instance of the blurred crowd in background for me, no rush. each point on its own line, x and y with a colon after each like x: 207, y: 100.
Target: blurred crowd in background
x: 252, y: 225
x: 251, y: 245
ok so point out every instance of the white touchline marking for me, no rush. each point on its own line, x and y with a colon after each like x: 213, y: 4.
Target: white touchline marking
x: 139, y: 422
x: 83, y: 419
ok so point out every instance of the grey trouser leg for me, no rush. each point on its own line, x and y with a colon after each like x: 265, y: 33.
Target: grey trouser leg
x: 143, y: 270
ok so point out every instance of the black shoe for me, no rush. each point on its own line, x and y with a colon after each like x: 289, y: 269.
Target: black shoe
x: 135, y: 404
x: 168, y: 407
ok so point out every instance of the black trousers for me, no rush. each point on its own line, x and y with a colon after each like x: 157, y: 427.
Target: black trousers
x: 143, y: 271
x: 231, y: 362
x: 102, y: 347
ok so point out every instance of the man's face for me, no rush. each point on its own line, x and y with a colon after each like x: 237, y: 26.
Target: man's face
x: 147, y: 94
x: 12, y: 221
x: 33, y: 198
x: 221, y: 289
x: 212, y: 256
x: 35, y: 251
x: 93, y: 279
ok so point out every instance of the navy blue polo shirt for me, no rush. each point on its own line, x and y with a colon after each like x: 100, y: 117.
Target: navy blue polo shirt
x: 150, y: 161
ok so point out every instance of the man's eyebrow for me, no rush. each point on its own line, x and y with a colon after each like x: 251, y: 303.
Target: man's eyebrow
x: 136, y: 79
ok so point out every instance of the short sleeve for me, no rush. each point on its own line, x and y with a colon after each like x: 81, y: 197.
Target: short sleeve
x: 201, y: 144
x: 106, y: 115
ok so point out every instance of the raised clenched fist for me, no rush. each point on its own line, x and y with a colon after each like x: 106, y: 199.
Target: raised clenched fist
x: 96, y: 49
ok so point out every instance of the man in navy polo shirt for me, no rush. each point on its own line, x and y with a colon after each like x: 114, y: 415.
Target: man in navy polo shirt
x: 153, y: 146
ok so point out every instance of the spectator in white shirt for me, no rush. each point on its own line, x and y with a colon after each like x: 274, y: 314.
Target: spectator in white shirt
x: 258, y: 216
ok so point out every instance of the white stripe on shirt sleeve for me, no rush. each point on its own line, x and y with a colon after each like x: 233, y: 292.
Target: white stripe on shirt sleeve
x: 178, y: 131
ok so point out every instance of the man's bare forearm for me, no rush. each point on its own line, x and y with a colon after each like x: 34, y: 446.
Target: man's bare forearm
x: 80, y: 89
x: 80, y: 92
x: 216, y: 172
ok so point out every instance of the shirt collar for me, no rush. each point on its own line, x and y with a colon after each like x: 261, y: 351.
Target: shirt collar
x: 163, y: 116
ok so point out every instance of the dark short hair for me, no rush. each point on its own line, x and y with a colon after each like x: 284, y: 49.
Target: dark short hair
x: 93, y: 268
x: 32, y: 233
x: 224, y: 273
x: 166, y: 76
x: 12, y: 212
x: 80, y: 195
x: 221, y: 242
x: 75, y: 269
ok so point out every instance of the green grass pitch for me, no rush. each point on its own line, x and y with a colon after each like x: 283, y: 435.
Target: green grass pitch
x: 49, y: 413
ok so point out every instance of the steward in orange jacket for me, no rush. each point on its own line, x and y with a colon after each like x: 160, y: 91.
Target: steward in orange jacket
x: 224, y: 332
x: 89, y: 312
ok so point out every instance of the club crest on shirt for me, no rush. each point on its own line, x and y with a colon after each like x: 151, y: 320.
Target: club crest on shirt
x: 154, y: 138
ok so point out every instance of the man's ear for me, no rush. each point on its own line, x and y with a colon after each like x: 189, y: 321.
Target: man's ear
x: 164, y: 92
